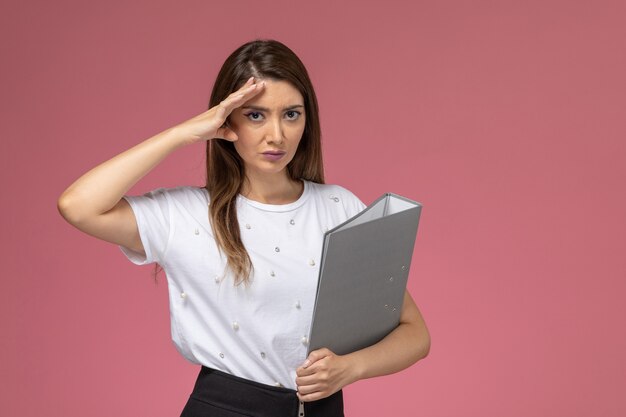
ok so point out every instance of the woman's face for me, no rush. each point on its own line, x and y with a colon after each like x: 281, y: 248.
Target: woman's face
x: 269, y: 128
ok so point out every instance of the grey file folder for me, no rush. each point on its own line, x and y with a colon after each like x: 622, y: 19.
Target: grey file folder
x: 363, y: 274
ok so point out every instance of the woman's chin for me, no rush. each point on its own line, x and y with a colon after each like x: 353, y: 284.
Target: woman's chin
x: 273, y: 170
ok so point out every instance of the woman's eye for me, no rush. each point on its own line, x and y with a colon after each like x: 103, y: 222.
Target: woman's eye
x: 292, y: 114
x: 254, y: 115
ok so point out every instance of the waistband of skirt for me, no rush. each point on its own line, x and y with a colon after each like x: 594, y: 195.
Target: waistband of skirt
x: 244, y: 396
x: 249, y: 397
x: 239, y: 380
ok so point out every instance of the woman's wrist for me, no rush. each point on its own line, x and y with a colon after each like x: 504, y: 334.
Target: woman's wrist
x: 356, y: 367
x: 178, y: 137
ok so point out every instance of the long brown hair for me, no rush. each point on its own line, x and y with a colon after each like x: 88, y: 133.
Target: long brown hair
x: 225, y: 171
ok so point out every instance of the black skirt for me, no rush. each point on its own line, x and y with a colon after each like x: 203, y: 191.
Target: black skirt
x: 218, y: 394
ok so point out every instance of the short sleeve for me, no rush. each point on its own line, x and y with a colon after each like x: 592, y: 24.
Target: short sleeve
x: 352, y: 203
x: 152, y: 213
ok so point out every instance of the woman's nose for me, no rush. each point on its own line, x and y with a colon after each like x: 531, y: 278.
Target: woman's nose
x: 275, y: 132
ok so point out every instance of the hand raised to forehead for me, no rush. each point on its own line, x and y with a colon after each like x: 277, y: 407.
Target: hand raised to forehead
x: 212, y: 123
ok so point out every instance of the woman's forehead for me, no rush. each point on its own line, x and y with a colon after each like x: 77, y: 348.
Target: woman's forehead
x: 277, y: 94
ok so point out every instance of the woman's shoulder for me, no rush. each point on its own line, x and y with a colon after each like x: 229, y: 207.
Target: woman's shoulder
x: 334, y: 189
x: 337, y: 193
x: 181, y: 193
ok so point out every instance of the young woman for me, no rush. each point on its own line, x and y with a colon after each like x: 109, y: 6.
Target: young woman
x: 241, y: 254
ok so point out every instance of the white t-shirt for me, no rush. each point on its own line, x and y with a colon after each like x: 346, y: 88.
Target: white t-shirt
x: 259, y: 332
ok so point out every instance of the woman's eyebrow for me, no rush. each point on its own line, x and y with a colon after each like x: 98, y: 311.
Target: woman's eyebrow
x: 293, y: 106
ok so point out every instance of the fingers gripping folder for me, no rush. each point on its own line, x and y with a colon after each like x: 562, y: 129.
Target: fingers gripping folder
x: 363, y: 275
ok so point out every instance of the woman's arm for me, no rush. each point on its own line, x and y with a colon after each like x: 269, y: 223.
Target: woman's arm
x: 324, y: 373
x: 94, y: 203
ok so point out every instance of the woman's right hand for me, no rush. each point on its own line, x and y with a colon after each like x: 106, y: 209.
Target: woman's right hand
x: 212, y: 123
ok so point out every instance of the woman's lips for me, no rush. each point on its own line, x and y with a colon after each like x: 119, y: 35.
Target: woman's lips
x: 273, y: 156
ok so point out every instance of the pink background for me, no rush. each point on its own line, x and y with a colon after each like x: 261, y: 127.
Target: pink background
x: 505, y: 119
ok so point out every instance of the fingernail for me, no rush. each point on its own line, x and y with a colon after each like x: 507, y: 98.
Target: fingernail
x: 250, y: 79
x: 306, y: 363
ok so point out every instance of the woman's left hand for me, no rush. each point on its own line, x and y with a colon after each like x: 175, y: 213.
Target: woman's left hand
x: 322, y: 374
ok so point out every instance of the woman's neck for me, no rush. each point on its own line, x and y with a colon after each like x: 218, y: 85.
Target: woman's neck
x: 283, y: 190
